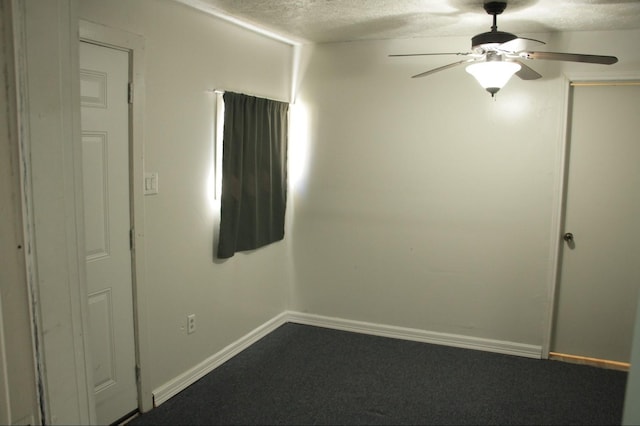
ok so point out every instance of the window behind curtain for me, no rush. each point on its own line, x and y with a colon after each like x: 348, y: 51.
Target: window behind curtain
x: 254, y: 173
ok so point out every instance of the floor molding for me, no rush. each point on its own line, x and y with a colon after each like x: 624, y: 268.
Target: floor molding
x: 455, y: 340
x: 594, y: 362
x: 184, y: 380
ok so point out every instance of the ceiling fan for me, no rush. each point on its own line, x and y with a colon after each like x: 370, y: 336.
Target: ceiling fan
x: 495, y: 57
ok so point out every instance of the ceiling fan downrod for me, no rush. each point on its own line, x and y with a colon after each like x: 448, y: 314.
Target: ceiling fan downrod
x: 495, y: 8
x: 494, y: 36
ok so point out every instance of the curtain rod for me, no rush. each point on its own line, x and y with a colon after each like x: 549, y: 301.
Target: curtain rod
x: 221, y: 92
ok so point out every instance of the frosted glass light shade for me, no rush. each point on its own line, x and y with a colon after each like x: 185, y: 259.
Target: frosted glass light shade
x: 493, y: 75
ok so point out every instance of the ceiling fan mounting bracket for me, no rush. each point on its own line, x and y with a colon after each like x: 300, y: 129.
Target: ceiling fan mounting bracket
x: 495, y: 7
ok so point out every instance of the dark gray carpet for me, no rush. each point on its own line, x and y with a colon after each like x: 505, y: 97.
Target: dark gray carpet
x: 308, y: 375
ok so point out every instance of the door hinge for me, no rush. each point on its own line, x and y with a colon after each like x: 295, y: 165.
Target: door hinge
x: 137, y: 374
x: 130, y: 93
x: 131, y: 239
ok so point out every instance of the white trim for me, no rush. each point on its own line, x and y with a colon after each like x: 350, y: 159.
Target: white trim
x: 62, y: 124
x: 574, y: 77
x: 189, y: 377
x: 184, y: 380
x: 557, y: 221
x: 417, y: 335
x: 135, y: 45
x: 18, y: 20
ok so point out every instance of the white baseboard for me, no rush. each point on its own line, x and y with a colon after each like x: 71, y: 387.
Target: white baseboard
x: 446, y: 339
x: 181, y: 382
x: 189, y: 377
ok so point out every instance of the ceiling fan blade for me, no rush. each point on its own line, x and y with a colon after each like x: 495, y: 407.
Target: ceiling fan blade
x: 433, y: 54
x: 527, y: 73
x: 517, y: 44
x: 532, y: 39
x: 571, y: 57
x: 442, y: 68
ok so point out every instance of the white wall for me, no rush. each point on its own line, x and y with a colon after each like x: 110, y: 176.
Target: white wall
x: 428, y: 204
x: 425, y: 203
x: 188, y: 52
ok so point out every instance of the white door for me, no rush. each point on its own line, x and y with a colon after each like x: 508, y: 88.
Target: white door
x: 600, y: 273
x: 104, y: 77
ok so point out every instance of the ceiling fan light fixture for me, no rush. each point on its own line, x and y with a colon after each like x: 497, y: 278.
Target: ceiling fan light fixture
x: 493, y: 75
x: 496, y: 55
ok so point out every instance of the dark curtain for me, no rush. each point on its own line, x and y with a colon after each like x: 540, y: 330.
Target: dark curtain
x: 254, y: 173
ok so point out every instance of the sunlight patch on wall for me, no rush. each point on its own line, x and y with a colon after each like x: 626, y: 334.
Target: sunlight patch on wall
x: 298, y: 144
x: 298, y: 150
x: 214, y: 180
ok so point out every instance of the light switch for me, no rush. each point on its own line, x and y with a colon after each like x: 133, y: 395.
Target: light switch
x: 150, y: 183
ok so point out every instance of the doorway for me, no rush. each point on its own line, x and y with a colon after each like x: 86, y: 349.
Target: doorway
x: 599, y: 268
x: 104, y: 81
x: 134, y: 45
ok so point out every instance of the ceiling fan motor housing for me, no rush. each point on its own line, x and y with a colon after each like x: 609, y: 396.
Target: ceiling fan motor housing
x: 491, y: 37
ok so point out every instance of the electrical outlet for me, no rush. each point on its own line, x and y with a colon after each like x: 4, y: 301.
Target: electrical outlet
x: 191, y: 323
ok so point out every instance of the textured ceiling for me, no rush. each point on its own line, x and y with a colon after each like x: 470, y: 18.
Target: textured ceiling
x: 348, y: 20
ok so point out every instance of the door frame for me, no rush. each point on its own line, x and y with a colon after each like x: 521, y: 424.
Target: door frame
x: 134, y: 44
x: 560, y: 192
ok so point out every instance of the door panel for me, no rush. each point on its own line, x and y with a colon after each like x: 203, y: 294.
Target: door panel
x: 104, y: 80
x: 96, y: 200
x: 600, y: 272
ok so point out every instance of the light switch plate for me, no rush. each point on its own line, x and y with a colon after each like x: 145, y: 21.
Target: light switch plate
x: 150, y: 183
